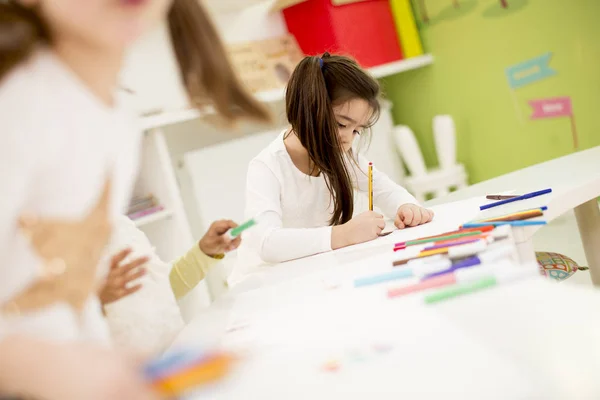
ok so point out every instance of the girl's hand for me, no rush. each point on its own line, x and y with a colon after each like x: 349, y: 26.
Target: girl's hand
x: 362, y: 228
x: 215, y: 242
x: 412, y: 215
x: 120, y: 276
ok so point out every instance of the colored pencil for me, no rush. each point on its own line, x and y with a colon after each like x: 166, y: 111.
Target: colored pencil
x: 521, y: 215
x: 501, y: 223
x: 499, y: 197
x: 437, y: 237
x: 370, y: 186
x: 400, y: 246
x: 518, y: 198
x: 452, y: 251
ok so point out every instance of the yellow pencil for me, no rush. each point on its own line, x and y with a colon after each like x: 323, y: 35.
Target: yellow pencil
x: 370, y: 186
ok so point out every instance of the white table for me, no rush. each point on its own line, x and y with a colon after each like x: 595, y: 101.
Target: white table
x: 575, y: 181
x: 529, y: 340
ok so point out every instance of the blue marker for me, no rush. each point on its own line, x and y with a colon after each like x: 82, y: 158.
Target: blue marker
x: 503, y: 223
x: 523, y: 197
x: 418, y: 270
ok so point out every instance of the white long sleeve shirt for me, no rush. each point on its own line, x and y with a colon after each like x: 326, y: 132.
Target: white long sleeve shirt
x: 294, y: 209
x: 149, y: 319
x: 59, y: 145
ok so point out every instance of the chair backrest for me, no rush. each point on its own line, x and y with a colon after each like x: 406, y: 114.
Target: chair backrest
x: 444, y: 136
x: 409, y: 149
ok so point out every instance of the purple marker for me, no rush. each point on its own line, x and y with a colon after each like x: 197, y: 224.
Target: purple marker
x: 488, y: 256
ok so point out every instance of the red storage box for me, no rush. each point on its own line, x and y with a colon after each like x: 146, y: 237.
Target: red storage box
x: 362, y: 29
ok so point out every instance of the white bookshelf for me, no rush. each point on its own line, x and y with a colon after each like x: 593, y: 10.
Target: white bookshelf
x: 168, y: 230
x: 277, y: 95
x: 155, y: 217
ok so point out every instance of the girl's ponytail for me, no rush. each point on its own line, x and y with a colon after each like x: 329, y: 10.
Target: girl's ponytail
x: 309, y: 111
x: 205, y: 67
x: 21, y: 31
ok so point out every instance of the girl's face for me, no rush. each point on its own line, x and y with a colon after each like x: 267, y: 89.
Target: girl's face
x: 352, y: 118
x: 105, y: 24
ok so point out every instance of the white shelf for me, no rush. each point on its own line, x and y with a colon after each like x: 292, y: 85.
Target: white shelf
x: 271, y: 96
x: 227, y: 6
x: 277, y: 95
x: 157, y: 216
x: 401, y: 66
x: 169, y: 118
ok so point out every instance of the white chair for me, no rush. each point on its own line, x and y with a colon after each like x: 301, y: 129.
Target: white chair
x: 437, y: 181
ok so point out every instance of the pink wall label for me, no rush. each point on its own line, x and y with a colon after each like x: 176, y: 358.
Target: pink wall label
x: 551, y: 108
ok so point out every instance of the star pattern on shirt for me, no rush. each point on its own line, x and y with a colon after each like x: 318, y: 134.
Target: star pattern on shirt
x: 70, y: 252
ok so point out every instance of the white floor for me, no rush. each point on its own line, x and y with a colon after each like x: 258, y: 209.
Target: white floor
x: 562, y: 236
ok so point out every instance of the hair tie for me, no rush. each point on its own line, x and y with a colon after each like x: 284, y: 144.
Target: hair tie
x: 321, y: 63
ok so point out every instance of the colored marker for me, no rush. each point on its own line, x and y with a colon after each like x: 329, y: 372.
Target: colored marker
x: 452, y: 252
x: 417, y: 270
x: 502, y: 223
x: 492, y: 280
x: 440, y: 237
x: 210, y: 370
x: 463, y: 275
x: 521, y: 215
x: 235, y: 232
x: 500, y: 197
x: 472, y: 261
x: 172, y: 363
x: 401, y: 246
x: 518, y: 198
x: 370, y: 186
x: 441, y: 245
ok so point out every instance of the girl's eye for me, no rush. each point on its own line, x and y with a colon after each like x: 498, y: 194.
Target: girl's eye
x: 341, y: 125
x: 357, y: 132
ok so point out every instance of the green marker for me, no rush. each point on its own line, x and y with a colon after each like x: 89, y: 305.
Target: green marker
x: 235, y: 232
x: 402, y: 245
x: 461, y: 289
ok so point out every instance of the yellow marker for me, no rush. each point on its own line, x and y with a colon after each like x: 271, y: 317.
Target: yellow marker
x: 370, y: 186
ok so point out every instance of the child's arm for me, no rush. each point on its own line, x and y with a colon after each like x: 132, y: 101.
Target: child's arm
x: 271, y: 241
x: 184, y: 274
x: 190, y: 269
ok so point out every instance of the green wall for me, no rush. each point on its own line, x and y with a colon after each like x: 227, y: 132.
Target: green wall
x: 472, y: 45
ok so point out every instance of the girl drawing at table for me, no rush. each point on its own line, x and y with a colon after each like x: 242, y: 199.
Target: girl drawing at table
x: 302, y: 185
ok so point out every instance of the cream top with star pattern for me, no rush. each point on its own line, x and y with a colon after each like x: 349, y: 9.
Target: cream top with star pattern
x: 58, y: 147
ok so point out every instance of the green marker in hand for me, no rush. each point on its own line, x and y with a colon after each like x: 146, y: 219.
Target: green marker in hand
x: 235, y: 232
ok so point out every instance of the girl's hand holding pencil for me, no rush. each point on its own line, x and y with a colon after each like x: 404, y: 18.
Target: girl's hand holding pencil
x: 412, y: 215
x: 362, y: 228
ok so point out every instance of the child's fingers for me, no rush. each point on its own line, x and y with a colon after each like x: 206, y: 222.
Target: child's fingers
x: 127, y: 291
x: 135, y: 275
x: 431, y: 214
x: 119, y: 257
x: 407, y: 215
x: 398, y: 222
x: 126, y: 269
x: 234, y: 244
x: 222, y: 226
x: 420, y: 216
